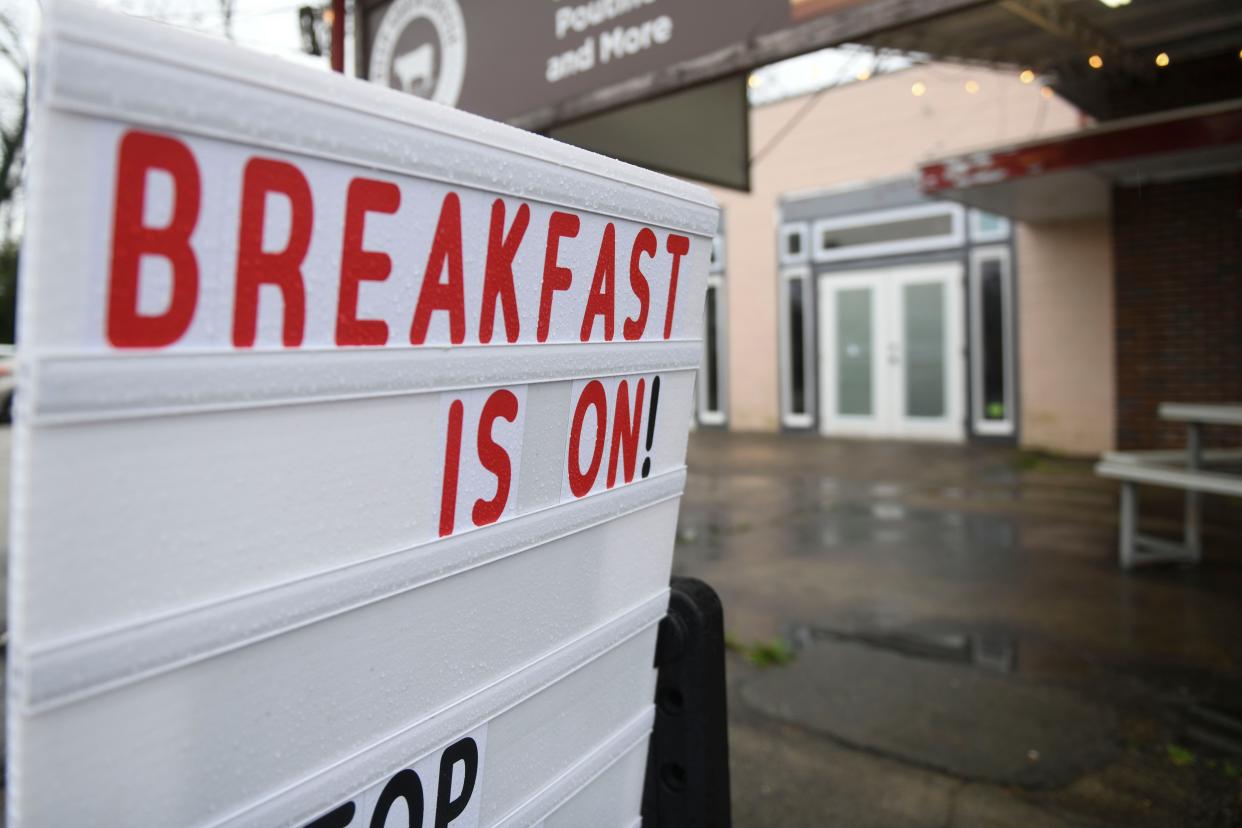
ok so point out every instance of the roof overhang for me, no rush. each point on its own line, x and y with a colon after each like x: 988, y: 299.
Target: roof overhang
x: 1198, y: 38
x: 1071, y: 175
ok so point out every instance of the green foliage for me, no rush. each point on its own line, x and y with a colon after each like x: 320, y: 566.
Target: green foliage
x: 1028, y: 460
x: 762, y: 654
x: 1180, y: 756
x: 772, y: 653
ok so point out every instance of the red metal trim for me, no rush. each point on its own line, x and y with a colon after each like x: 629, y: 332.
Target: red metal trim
x: 1084, y: 150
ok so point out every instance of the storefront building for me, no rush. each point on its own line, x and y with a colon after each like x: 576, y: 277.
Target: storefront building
x: 1164, y: 190
x: 977, y: 262
x: 844, y: 300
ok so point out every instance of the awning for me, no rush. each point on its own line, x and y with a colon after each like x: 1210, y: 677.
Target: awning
x: 1199, y: 41
x: 1071, y: 175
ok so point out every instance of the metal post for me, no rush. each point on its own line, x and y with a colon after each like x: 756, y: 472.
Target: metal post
x: 338, y: 36
x: 1194, y: 461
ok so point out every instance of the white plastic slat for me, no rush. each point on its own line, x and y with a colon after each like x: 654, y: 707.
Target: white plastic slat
x: 532, y: 741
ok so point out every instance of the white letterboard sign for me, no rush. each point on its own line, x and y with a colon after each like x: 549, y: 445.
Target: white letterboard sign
x: 349, y: 443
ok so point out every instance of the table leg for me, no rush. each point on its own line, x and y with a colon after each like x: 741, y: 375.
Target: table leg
x: 1129, y: 524
x: 1194, y: 461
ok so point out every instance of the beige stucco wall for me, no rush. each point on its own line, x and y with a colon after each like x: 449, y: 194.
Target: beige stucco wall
x: 851, y: 135
x: 1065, y: 327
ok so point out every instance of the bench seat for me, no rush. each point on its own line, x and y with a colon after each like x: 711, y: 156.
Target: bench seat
x: 1168, y: 470
x: 1160, y: 474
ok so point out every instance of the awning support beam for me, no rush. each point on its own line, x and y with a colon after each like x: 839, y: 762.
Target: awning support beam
x: 1056, y: 19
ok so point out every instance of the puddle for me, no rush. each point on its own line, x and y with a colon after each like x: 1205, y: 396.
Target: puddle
x: 885, y: 490
x: 888, y: 511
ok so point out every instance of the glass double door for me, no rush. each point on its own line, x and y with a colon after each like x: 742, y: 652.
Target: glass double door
x: 890, y: 345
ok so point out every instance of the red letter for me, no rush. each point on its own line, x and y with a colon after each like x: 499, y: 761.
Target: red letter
x: 592, y: 395
x: 452, y: 461
x: 284, y: 268
x: 678, y: 246
x: 365, y: 195
x: 625, y: 431
x: 502, y: 404
x: 644, y: 242
x: 140, y: 153
x: 602, y: 299
x: 498, y: 277
x: 446, y: 296
x: 560, y: 225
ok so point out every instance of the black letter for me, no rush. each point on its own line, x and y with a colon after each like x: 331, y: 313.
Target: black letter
x: 405, y: 785
x: 464, y: 751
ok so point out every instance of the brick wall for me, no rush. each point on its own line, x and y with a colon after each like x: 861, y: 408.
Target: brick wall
x: 1178, y: 294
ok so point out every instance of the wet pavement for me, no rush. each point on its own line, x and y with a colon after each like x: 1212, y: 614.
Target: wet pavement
x: 934, y: 635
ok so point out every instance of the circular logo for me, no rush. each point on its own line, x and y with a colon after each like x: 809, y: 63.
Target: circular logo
x: 420, y: 48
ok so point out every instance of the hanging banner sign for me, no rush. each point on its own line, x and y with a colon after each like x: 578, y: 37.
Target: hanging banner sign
x: 539, y: 64
x: 348, y: 447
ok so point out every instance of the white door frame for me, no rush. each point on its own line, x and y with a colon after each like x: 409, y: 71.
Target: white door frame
x: 950, y: 426
x: 1001, y: 254
x: 707, y: 416
x: 832, y: 423
x: 790, y: 418
x: 888, y: 358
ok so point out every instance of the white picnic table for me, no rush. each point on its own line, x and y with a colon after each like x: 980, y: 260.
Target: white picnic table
x: 1190, y: 470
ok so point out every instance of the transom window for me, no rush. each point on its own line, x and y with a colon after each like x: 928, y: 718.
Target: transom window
x: 888, y: 232
x: 988, y: 227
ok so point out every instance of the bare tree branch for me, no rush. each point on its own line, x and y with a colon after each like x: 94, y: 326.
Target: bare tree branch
x: 13, y: 136
x: 226, y: 17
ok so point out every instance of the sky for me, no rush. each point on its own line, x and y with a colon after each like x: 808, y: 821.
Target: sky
x: 269, y: 26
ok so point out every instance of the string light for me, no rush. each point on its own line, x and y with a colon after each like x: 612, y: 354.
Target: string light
x: 972, y: 87
x: 1162, y: 59
x: 754, y: 81
x: 863, y: 74
x: 1096, y: 62
x: 1046, y: 91
x: 918, y: 89
x: 1027, y: 76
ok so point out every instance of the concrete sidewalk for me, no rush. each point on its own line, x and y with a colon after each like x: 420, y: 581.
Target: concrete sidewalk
x: 962, y: 648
